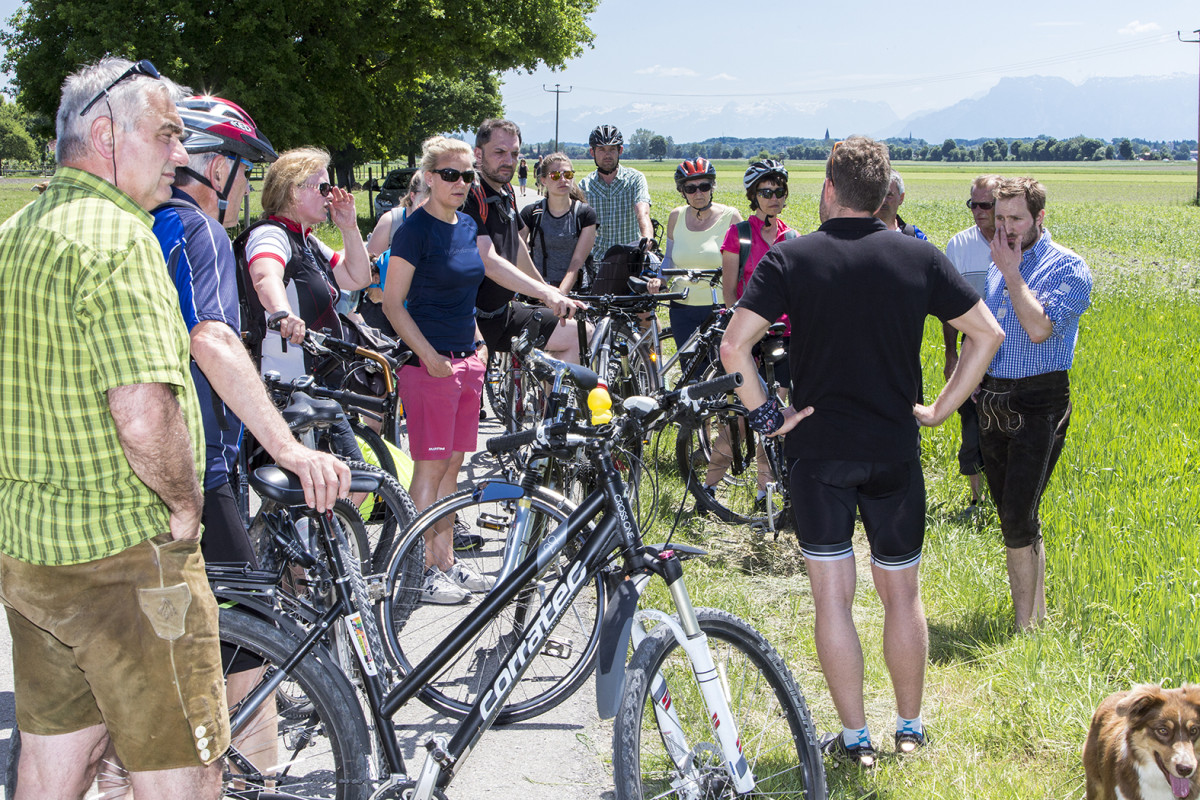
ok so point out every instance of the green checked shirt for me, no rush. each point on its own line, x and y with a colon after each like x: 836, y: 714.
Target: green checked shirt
x: 614, y: 206
x: 85, y: 305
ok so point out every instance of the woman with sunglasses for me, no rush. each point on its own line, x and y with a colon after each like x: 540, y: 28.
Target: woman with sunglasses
x: 560, y: 229
x: 434, y: 274
x: 694, y: 233
x: 290, y: 268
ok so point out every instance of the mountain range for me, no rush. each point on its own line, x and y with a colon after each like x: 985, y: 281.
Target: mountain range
x: 1155, y: 108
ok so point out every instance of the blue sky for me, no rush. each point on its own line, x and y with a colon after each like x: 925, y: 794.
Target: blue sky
x: 914, y: 56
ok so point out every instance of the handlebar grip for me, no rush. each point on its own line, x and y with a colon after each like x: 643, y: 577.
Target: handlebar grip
x: 274, y: 320
x: 717, y: 386
x: 511, y: 441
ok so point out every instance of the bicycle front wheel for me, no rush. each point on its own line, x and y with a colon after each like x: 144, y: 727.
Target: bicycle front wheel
x: 413, y: 628
x: 677, y: 755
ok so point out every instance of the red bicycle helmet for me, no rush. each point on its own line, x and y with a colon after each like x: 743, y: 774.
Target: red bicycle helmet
x: 696, y: 168
x: 215, y: 125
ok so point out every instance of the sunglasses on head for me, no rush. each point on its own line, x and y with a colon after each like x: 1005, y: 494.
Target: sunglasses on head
x: 323, y: 188
x: 143, y: 67
x: 692, y: 188
x: 569, y: 174
x: 767, y: 192
x: 986, y: 205
x: 453, y: 175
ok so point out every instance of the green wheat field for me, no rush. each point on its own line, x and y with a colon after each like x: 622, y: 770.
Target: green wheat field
x: 1007, y: 714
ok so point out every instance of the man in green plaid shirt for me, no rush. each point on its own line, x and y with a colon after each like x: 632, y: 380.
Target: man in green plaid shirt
x: 113, y: 624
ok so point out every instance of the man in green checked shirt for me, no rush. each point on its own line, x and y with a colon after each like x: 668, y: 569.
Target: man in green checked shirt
x: 113, y: 624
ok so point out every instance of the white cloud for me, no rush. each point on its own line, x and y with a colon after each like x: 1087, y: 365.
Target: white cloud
x: 723, y: 76
x: 667, y: 72
x: 1134, y: 28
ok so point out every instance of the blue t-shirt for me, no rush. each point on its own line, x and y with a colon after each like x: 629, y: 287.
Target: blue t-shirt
x: 446, y: 277
x: 200, y: 260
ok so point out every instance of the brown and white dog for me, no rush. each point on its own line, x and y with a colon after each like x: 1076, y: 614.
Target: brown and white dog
x: 1142, y: 745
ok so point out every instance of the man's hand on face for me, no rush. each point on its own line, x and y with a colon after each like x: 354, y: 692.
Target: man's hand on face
x: 1006, y: 250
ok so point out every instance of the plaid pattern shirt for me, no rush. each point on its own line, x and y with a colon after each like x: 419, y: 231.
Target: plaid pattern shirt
x: 86, y: 305
x: 614, y: 205
x: 1062, y: 283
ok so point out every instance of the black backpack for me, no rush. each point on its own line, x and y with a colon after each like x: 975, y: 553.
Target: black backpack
x: 620, y: 263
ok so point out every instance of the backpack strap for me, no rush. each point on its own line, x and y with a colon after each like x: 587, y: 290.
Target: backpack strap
x: 477, y: 192
x: 745, y: 234
x: 535, y: 228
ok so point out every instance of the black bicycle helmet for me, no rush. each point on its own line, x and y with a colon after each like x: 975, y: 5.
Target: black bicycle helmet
x: 215, y: 125
x: 696, y: 168
x: 762, y: 169
x: 605, y: 135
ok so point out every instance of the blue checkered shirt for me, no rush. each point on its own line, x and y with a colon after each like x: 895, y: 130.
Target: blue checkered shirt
x: 1062, y: 283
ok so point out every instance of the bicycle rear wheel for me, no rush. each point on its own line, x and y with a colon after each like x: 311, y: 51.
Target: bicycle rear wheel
x: 413, y: 629
x: 775, y: 729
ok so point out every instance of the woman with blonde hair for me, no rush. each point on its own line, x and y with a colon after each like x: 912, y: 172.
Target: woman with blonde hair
x: 434, y: 274
x: 291, y: 269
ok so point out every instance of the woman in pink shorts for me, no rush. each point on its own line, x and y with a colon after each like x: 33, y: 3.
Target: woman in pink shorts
x: 433, y: 275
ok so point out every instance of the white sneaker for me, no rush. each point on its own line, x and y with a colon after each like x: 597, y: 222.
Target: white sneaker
x: 440, y: 590
x: 463, y: 577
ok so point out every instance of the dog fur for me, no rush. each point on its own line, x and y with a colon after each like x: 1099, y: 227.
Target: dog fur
x: 1142, y: 745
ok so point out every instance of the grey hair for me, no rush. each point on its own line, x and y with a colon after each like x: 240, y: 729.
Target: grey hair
x: 198, y: 162
x: 127, y: 103
x: 896, y: 179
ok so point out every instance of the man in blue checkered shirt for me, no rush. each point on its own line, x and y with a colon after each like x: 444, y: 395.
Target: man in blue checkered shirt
x: 1036, y: 289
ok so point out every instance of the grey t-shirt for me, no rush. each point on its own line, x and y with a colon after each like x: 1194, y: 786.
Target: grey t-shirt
x: 552, y: 239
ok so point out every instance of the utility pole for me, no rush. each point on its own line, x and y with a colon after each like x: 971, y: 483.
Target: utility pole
x: 556, y: 92
x: 1195, y: 41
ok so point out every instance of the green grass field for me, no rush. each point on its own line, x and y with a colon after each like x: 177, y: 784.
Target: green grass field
x: 1008, y: 713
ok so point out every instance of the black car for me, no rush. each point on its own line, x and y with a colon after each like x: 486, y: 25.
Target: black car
x: 392, y: 191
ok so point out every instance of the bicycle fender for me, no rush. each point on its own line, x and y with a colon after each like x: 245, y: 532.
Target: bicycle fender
x: 497, y: 490
x: 614, y: 642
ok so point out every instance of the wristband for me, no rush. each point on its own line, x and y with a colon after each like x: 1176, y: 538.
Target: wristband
x: 767, y: 418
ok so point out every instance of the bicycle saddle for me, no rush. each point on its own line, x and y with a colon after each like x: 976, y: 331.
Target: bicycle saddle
x: 284, y: 487
x: 303, y: 411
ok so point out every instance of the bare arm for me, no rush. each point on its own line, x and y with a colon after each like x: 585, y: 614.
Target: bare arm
x: 1028, y: 308
x: 354, y: 269
x: 587, y: 238
x: 643, y: 217
x: 503, y: 272
x: 267, y: 276
x: 154, y: 436
x: 729, y: 277
x: 378, y: 241
x: 224, y: 361
x: 983, y: 338
x: 950, y: 338
x: 745, y: 329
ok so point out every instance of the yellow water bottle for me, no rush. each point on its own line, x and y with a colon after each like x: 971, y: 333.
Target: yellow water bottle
x: 600, y: 403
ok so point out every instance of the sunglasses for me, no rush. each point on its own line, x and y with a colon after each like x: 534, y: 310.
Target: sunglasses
x: 323, y: 188
x: 986, y: 205
x: 692, y: 188
x: 453, y: 175
x: 143, y: 67
x: 569, y: 174
x: 768, y: 193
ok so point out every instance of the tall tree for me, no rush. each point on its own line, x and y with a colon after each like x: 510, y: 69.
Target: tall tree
x: 336, y: 73
x: 658, y: 146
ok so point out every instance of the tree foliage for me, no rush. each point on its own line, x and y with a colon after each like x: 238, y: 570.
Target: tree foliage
x: 336, y: 73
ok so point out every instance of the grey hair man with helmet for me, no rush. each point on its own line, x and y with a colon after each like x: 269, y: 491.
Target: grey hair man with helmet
x: 620, y: 195
x: 223, y: 144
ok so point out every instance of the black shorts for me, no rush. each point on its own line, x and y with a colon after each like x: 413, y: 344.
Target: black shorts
x: 826, y: 495
x: 498, y: 331
x: 224, y: 540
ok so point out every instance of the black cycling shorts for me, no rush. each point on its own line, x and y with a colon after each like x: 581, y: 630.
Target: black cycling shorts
x: 498, y: 332
x: 827, y: 494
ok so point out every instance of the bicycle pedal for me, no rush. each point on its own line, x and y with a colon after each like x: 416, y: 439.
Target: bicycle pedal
x: 557, y: 648
x: 375, y: 588
x: 493, y: 522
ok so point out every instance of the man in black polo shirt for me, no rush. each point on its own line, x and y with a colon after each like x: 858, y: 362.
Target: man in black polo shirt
x: 493, y: 206
x: 857, y: 297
